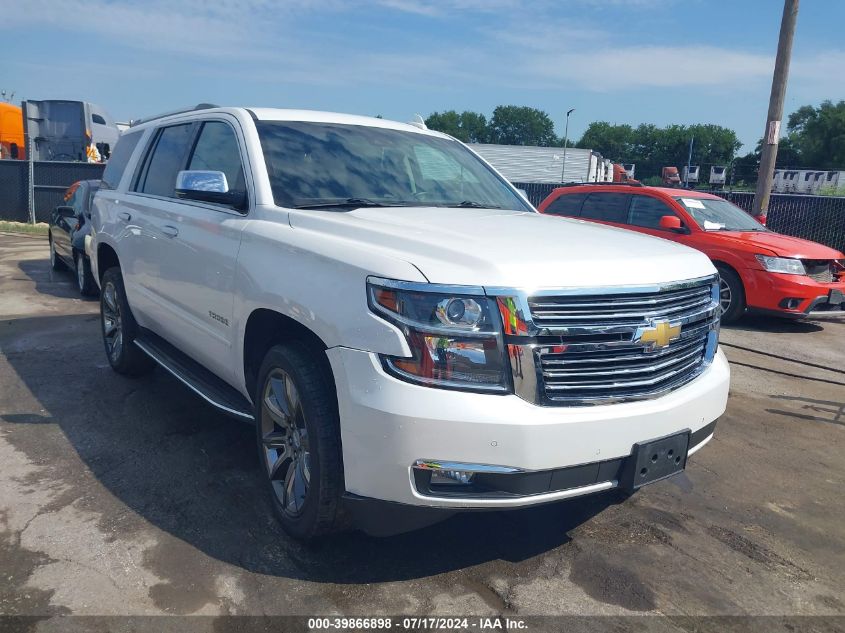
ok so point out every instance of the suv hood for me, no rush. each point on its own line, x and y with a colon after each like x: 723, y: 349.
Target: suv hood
x: 781, y: 245
x: 494, y: 247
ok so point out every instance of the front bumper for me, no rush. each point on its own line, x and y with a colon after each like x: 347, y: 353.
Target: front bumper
x: 387, y: 425
x: 792, y: 295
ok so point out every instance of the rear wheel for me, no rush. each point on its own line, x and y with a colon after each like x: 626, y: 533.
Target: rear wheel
x: 84, y: 279
x: 56, y: 262
x: 731, y: 295
x: 120, y: 328
x: 299, y: 441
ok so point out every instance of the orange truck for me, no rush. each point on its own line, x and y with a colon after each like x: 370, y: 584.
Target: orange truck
x: 671, y: 177
x: 620, y: 174
x: 11, y: 132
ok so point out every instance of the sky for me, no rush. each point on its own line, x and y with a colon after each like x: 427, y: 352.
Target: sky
x: 622, y: 61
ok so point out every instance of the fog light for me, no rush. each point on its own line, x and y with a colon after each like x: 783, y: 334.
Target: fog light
x: 791, y: 303
x: 451, y: 477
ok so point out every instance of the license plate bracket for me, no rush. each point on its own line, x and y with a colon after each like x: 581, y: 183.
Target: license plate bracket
x: 655, y: 459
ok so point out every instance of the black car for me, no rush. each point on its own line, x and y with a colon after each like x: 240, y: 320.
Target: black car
x: 70, y: 223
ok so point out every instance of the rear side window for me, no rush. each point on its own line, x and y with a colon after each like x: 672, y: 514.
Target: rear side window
x: 78, y: 200
x: 567, y: 205
x: 608, y: 207
x: 119, y: 159
x: 217, y: 150
x: 165, y: 161
x: 647, y: 211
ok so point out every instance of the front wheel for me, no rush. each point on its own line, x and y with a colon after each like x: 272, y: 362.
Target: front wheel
x: 731, y: 295
x: 299, y: 441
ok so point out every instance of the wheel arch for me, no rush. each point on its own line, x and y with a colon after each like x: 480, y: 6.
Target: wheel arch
x: 721, y: 263
x: 265, y: 328
x: 106, y: 258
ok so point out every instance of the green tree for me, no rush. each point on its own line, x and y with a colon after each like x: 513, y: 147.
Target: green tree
x: 521, y: 125
x: 819, y: 134
x: 653, y: 148
x: 469, y: 127
x: 788, y: 153
x: 613, y: 141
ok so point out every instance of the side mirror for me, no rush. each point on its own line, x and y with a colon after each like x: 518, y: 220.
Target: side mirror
x: 208, y: 186
x: 66, y: 212
x: 671, y: 223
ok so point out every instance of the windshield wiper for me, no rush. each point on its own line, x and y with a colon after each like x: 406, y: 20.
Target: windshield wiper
x: 466, y: 204
x: 348, y: 202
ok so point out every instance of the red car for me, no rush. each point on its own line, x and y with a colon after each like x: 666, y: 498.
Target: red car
x: 761, y: 270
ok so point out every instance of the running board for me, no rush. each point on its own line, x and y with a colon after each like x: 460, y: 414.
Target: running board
x: 194, y: 376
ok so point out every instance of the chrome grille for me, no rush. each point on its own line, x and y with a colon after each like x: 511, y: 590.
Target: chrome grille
x: 597, y: 310
x: 586, y: 347
x: 620, y: 373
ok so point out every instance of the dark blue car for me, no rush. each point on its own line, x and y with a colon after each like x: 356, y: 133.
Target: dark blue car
x: 70, y: 223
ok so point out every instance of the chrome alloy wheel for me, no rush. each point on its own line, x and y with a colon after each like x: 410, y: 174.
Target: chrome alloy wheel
x: 284, y: 440
x: 112, y: 323
x: 725, y: 296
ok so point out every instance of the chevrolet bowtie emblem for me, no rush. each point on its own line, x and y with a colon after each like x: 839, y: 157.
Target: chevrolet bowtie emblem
x: 658, y: 335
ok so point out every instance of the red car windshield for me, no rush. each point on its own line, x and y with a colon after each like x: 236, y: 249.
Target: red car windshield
x: 719, y: 215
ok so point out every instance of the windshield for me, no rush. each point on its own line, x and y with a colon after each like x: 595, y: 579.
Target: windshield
x: 327, y: 164
x: 719, y: 215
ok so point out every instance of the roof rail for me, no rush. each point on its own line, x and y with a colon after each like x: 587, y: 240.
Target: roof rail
x: 199, y: 106
x: 583, y: 184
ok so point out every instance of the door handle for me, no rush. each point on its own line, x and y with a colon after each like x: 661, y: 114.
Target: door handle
x: 170, y: 231
x: 123, y: 215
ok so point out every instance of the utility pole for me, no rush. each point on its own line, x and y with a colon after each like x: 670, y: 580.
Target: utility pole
x: 771, y: 135
x: 689, y: 162
x: 565, y: 143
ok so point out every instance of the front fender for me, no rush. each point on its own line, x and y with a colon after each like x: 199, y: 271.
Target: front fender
x: 318, y: 281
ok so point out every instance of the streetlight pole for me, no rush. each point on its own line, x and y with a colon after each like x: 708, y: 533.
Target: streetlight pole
x: 565, y: 143
x: 771, y: 134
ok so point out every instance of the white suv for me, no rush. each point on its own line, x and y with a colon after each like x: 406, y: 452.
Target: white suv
x: 411, y: 338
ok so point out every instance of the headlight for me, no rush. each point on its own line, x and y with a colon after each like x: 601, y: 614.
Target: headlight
x: 785, y: 265
x: 454, y: 333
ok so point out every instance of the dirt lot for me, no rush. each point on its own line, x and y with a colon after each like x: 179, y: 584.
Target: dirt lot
x: 134, y: 497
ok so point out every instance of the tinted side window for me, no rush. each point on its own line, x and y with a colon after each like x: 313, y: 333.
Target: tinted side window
x: 647, y: 211
x: 167, y: 160
x: 567, y: 205
x: 217, y: 150
x: 79, y: 197
x: 96, y: 118
x: 609, y: 207
x: 119, y: 158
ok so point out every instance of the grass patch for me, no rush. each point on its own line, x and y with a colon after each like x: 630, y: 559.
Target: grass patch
x: 24, y: 227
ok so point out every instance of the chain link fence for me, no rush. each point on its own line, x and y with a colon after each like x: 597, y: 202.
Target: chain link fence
x: 51, y: 179
x: 817, y: 218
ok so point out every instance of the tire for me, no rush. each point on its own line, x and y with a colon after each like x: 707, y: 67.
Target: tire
x: 298, y: 435
x: 731, y: 294
x: 56, y: 262
x: 120, y: 329
x: 84, y: 279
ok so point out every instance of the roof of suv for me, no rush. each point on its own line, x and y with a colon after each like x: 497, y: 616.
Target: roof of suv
x: 280, y: 114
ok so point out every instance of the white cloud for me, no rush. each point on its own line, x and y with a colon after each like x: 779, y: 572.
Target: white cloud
x: 264, y: 41
x: 610, y: 68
